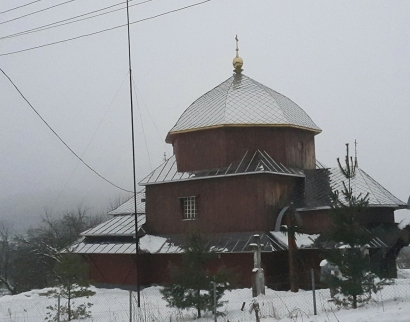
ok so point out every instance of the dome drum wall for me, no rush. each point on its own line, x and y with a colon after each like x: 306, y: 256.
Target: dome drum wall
x: 219, y: 147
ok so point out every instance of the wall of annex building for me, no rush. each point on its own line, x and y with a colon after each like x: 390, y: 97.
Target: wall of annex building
x: 318, y: 221
x: 120, y: 270
x: 230, y: 204
x: 216, y: 148
x: 154, y: 269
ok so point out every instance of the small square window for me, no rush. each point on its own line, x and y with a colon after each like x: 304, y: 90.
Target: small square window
x: 189, y: 207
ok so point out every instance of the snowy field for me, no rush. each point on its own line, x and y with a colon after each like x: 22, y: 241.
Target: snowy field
x: 113, y: 305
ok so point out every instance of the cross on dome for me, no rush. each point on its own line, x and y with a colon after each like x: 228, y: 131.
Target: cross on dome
x: 237, y: 61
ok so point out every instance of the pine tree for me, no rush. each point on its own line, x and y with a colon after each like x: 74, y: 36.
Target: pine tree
x: 73, y: 283
x: 355, y: 281
x: 192, y: 283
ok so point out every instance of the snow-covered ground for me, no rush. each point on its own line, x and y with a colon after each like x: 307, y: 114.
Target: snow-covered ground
x: 109, y: 305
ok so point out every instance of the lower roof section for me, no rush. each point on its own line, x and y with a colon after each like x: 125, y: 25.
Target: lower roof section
x: 173, y: 244
x: 251, y: 163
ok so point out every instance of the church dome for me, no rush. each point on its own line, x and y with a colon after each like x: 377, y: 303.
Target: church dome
x: 242, y: 101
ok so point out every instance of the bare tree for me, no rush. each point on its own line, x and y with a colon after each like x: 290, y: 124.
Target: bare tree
x: 6, y: 251
x: 39, y: 249
x: 118, y: 201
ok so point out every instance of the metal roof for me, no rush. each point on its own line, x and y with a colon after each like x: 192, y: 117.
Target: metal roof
x: 101, y: 247
x: 256, y: 163
x: 224, y: 243
x: 128, y: 206
x: 317, y: 189
x: 220, y: 243
x: 120, y: 225
x: 240, y: 100
x: 362, y: 183
x: 171, y: 244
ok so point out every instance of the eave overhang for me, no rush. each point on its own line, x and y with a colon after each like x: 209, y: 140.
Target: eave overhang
x: 171, y: 135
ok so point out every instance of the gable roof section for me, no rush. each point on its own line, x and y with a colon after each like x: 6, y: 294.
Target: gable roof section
x: 240, y: 100
x: 121, y: 225
x: 316, y: 191
x: 258, y: 162
x: 128, y: 206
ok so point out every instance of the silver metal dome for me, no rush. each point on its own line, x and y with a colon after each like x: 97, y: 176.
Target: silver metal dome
x: 242, y: 101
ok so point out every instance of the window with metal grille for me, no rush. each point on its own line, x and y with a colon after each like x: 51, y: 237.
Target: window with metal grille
x: 189, y: 207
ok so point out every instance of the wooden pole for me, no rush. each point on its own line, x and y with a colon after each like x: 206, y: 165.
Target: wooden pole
x: 312, y: 274
x: 291, y: 246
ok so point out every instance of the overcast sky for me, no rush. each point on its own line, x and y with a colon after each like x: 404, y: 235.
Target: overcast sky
x: 346, y: 63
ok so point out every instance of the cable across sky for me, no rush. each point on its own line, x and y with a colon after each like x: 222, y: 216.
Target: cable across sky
x: 71, y: 20
x: 105, y: 30
x: 61, y: 140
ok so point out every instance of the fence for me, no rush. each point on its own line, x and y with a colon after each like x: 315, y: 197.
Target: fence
x: 115, y: 305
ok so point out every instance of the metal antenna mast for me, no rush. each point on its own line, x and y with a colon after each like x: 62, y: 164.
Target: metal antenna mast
x: 133, y: 158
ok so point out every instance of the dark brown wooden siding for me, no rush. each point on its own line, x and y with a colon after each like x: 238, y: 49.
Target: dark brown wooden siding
x: 215, y: 148
x: 121, y: 269
x: 230, y: 204
x: 115, y: 269
x: 318, y: 221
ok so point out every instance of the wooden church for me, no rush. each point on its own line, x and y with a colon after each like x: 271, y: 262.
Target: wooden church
x: 243, y: 154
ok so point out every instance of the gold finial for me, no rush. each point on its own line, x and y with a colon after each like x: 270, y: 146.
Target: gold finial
x: 237, y: 61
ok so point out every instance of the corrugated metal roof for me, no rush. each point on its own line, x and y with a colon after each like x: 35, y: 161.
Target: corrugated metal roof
x: 120, y: 225
x: 240, y: 100
x: 258, y: 162
x: 100, y: 247
x: 128, y: 206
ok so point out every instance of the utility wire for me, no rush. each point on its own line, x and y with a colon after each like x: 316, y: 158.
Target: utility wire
x: 68, y: 20
x: 142, y: 123
x: 149, y: 114
x: 24, y: 5
x: 34, y: 12
x: 104, y: 30
x: 62, y: 141
x: 89, y: 142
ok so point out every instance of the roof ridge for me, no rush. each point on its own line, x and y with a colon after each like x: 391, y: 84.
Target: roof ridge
x: 227, y: 93
x: 263, y: 87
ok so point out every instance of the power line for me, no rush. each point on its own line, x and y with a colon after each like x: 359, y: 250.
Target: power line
x: 55, y: 133
x: 104, y: 30
x: 34, y: 12
x: 89, y: 142
x: 149, y: 114
x: 142, y: 123
x: 24, y: 5
x: 67, y: 21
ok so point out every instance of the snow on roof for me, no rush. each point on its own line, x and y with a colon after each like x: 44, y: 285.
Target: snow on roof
x: 302, y: 240
x: 240, y: 100
x: 172, y: 244
x: 153, y: 244
x: 258, y: 162
x: 128, y: 206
